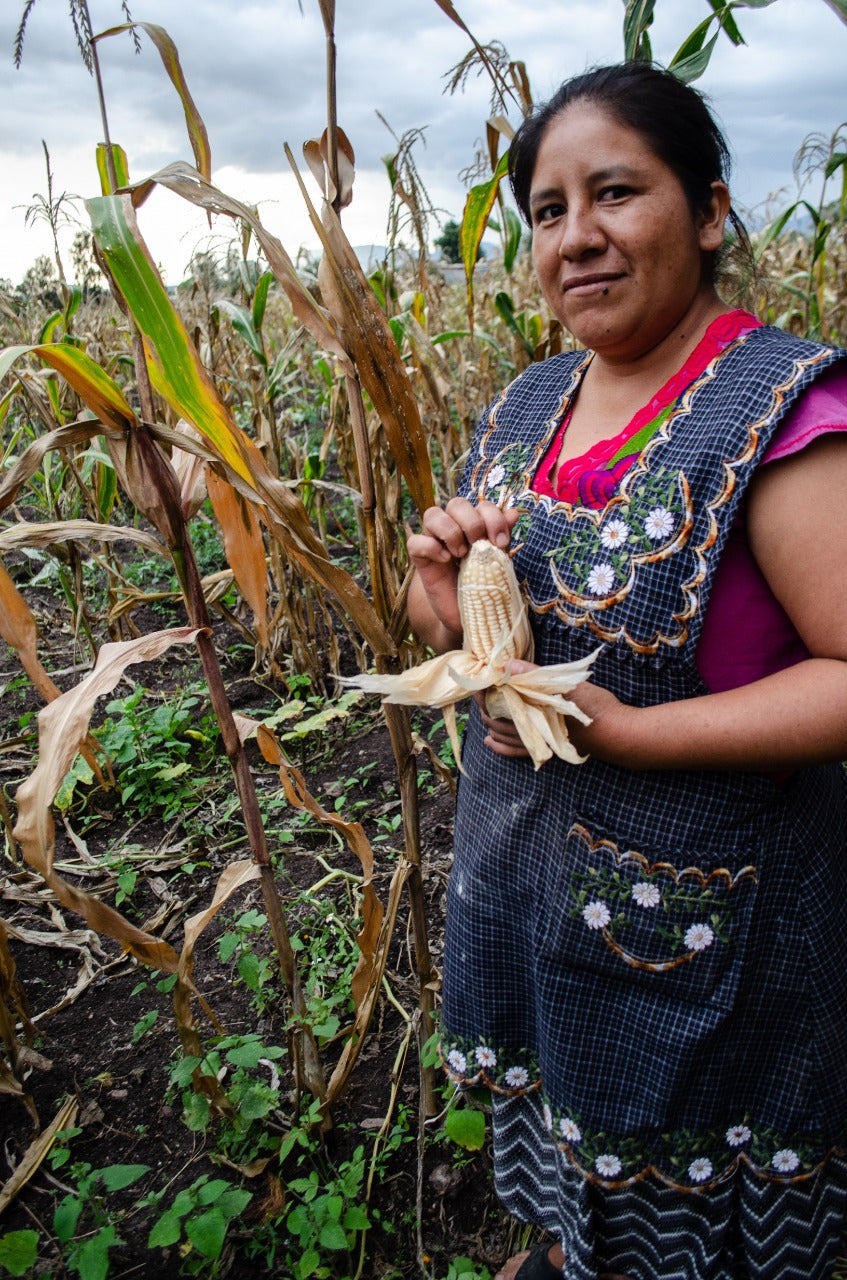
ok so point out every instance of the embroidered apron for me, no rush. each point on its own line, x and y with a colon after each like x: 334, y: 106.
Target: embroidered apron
x: 660, y: 953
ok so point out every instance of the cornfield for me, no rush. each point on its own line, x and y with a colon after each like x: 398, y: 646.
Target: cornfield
x: 206, y: 492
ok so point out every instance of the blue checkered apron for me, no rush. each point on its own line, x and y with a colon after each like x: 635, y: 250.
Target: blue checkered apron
x: 646, y: 967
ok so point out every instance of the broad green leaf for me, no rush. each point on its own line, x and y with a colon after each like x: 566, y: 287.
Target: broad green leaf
x: 66, y: 1216
x: 466, y: 1128
x: 838, y: 7
x: 207, y: 1232
x: 92, y: 384
x: 18, y: 1251
x: 477, y: 211
x: 174, y: 366
x: 166, y: 1231
x: 332, y: 1236
x: 92, y: 1261
x: 117, y: 1176
x: 170, y: 60
x: 692, y: 67
x: 120, y: 163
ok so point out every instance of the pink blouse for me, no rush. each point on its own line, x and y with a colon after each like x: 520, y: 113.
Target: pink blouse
x: 746, y: 632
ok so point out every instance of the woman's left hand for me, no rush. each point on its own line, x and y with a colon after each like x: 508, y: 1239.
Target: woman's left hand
x: 598, y: 738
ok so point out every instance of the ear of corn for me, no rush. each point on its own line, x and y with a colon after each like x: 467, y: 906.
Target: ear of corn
x: 496, y: 630
x: 491, y: 607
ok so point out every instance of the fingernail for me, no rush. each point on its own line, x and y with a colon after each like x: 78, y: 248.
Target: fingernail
x: 502, y: 540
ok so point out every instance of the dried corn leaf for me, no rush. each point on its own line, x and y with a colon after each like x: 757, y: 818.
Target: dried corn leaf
x: 50, y: 533
x: 36, y: 1152
x: 197, y: 134
x: 371, y: 963
x: 233, y: 877
x: 18, y: 629
x: 244, y: 547
x: 369, y: 342
x: 62, y: 728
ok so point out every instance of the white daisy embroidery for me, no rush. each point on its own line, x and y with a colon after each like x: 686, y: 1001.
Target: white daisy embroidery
x: 569, y: 1131
x: 601, y: 579
x: 457, y: 1061
x: 486, y: 1057
x: 596, y: 915
x: 699, y: 1170
x: 659, y: 524
x: 646, y: 895
x: 614, y: 534
x: 699, y: 937
x: 786, y: 1160
x: 608, y: 1165
x: 738, y: 1135
x: 496, y: 476
x: 548, y: 1117
x: 517, y: 1077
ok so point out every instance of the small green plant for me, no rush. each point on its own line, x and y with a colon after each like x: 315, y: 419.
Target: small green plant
x: 199, y: 1218
x: 83, y: 1223
x: 150, y: 747
x: 247, y: 1069
x: 18, y: 1251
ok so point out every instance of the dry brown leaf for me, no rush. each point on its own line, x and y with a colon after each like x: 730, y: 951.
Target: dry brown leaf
x: 62, y: 728
x: 368, y: 340
x: 233, y: 877
x: 49, y: 533
x: 36, y: 1151
x: 18, y: 629
x: 244, y: 548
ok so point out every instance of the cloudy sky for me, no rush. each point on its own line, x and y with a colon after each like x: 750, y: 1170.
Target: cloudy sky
x: 256, y: 71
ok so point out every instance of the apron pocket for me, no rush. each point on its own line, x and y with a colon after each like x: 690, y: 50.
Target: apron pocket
x: 674, y: 924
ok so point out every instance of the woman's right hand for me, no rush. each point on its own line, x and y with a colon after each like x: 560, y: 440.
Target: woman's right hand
x: 436, y: 553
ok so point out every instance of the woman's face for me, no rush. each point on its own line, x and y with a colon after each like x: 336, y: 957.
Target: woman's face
x: 616, y: 247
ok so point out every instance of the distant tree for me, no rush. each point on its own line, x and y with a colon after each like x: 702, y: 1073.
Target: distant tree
x: 41, y: 284
x: 448, y: 242
x: 87, y: 274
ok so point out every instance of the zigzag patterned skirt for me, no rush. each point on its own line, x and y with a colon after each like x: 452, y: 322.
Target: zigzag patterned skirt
x: 744, y: 1229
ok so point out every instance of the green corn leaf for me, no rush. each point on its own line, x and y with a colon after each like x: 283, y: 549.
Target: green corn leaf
x: 243, y: 324
x: 692, y: 67
x: 514, y: 231
x: 100, y: 393
x: 260, y: 298
x: 478, y: 206
x: 638, y: 17
x: 174, y: 365
x: 120, y: 162
x: 839, y: 7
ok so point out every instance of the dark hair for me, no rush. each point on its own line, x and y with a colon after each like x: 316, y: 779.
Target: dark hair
x: 670, y: 116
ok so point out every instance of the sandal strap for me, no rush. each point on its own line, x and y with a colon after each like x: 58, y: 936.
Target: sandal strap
x: 538, y: 1265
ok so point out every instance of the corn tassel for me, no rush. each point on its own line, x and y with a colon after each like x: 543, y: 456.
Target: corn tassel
x: 496, y: 630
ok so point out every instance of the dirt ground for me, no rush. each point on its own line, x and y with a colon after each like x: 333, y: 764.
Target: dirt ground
x: 87, y: 1000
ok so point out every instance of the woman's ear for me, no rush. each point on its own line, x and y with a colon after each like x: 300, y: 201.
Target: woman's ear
x: 711, y: 221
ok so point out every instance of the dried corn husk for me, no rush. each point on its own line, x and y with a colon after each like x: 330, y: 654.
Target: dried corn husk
x: 496, y: 630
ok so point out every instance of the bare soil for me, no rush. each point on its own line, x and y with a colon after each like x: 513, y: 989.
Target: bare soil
x: 86, y: 998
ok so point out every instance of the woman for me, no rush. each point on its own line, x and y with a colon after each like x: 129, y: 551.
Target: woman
x: 643, y: 957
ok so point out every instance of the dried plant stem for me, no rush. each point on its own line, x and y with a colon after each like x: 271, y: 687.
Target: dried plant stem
x: 399, y: 728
